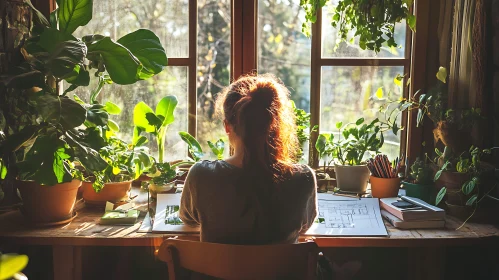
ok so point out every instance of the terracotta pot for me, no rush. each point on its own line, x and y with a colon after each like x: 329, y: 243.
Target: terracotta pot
x: 155, y: 189
x: 352, y: 178
x: 384, y: 187
x: 48, y: 204
x: 112, y: 192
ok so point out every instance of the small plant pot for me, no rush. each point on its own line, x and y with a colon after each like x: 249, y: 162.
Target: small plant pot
x: 352, y: 178
x: 155, y: 189
x: 384, y: 187
x: 48, y: 204
x: 423, y: 192
x: 113, y: 192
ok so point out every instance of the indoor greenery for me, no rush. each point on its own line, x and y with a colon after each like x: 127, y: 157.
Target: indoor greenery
x: 303, y: 130
x: 372, y: 20
x: 195, y: 149
x: 155, y: 122
x: 49, y: 140
x: 421, y: 172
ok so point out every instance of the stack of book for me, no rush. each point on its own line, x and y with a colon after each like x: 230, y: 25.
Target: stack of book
x: 410, y: 213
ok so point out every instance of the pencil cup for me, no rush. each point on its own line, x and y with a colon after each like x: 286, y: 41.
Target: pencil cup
x: 384, y: 187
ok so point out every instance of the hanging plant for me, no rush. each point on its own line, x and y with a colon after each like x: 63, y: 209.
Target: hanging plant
x: 373, y: 20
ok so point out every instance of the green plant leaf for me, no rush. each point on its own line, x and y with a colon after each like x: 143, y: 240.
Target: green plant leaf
x: 65, y: 59
x: 73, y: 14
x: 398, y: 80
x: 320, y: 144
x: 112, y: 108
x: 471, y: 200
x: 145, y: 45
x: 166, y: 108
x: 339, y: 125
x: 113, y: 125
x: 217, y: 148
x: 154, y: 120
x: 440, y: 195
x: 60, y: 110
x: 11, y: 264
x: 359, y: 121
x: 97, y: 115
x: 39, y: 19
x: 194, y: 147
x: 81, y: 79
x: 122, y: 66
x: 379, y: 93
x: 51, y: 37
x: 438, y: 152
x: 3, y: 170
x: 469, y: 186
x: 141, y: 140
x: 411, y: 22
x: 442, y: 74
x: 140, y: 117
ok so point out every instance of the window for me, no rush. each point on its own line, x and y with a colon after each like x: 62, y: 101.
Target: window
x: 195, y: 77
x: 333, y: 82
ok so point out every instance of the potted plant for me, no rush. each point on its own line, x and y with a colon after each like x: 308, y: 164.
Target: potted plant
x: 468, y: 197
x: 126, y: 162
x: 195, y: 149
x: 43, y: 142
x: 348, y: 149
x: 324, y: 147
x: 156, y: 123
x: 303, y: 130
x: 419, y: 183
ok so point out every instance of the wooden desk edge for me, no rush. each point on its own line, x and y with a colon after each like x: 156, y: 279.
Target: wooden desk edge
x: 323, y: 242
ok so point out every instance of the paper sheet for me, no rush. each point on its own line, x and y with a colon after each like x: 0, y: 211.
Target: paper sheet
x: 167, y: 219
x: 352, y: 217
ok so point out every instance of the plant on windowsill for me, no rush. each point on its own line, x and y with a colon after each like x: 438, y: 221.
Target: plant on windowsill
x: 373, y: 21
x: 156, y: 123
x: 419, y: 183
x: 468, y: 185
x: 349, y: 148
x: 43, y: 144
x: 195, y: 149
x: 303, y: 129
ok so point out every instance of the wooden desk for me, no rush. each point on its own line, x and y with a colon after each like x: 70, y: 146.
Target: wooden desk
x: 67, y: 240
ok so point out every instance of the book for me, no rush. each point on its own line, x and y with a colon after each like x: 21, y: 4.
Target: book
x: 127, y: 217
x: 398, y: 223
x: 421, y: 213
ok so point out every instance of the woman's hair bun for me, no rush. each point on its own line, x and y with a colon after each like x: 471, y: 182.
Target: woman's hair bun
x: 264, y: 93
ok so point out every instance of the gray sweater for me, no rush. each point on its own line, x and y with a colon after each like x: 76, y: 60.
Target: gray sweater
x: 214, y: 198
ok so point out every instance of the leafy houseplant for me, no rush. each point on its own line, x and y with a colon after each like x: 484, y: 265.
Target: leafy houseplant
x: 419, y: 183
x: 348, y: 149
x: 44, y: 139
x: 302, y: 128
x: 373, y: 21
x: 476, y: 182
x: 195, y: 149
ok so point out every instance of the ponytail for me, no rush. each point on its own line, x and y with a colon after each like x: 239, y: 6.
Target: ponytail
x: 259, y: 110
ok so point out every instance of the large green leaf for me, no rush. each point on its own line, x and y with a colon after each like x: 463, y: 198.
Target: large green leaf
x: 123, y: 67
x: 440, y: 195
x: 166, y: 108
x: 194, y: 147
x: 73, y: 14
x: 60, y: 110
x: 50, y: 37
x: 63, y: 60
x: 145, y: 45
x: 320, y: 145
x: 140, y: 117
x: 217, y: 148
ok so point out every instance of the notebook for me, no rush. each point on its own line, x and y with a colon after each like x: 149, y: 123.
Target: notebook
x: 398, y: 223
x: 412, y: 215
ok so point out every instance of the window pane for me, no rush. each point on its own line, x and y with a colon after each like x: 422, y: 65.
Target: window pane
x: 214, y: 18
x: 284, y: 51
x: 348, y: 93
x: 169, y: 19
x: 172, y: 81
x: 330, y: 36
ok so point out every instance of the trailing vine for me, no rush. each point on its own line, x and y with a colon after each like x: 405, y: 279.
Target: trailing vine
x: 373, y: 20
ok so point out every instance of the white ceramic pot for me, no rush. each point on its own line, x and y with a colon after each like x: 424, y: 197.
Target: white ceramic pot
x: 352, y: 178
x: 155, y: 189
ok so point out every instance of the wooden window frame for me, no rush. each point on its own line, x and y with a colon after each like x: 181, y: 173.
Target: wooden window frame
x: 244, y: 58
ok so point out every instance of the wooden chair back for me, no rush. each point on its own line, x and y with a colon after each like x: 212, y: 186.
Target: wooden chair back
x: 281, y: 261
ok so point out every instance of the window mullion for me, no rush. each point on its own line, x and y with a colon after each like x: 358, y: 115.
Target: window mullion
x: 315, y: 86
x: 192, y: 69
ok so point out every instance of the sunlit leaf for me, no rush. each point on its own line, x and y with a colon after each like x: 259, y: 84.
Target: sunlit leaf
x: 11, y: 264
x: 440, y: 195
x: 442, y: 74
x: 166, y: 108
x: 379, y: 93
